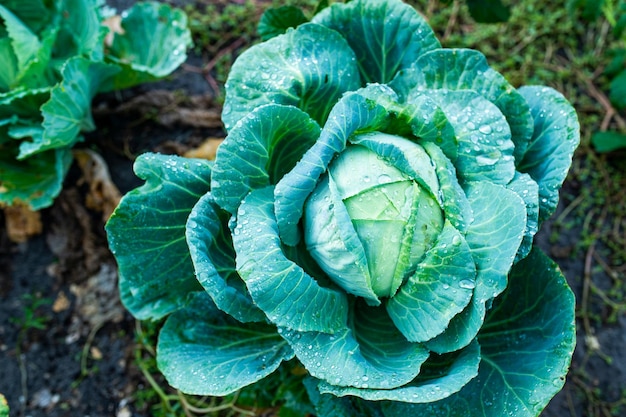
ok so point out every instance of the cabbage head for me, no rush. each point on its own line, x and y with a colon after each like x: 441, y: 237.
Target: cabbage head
x: 370, y: 217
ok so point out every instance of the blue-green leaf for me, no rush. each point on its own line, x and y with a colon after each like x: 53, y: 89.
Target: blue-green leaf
x: 213, y: 256
x: 386, y: 36
x: 495, y: 234
x: 153, y: 45
x: 462, y: 369
x: 555, y: 138
x: 147, y: 234
x: 276, y: 21
x: 288, y: 295
x: 441, y: 288
x: 259, y: 150
x: 309, y: 67
x: 485, y: 149
x: 494, y: 238
x: 526, y: 346
x: 528, y: 190
x: 370, y: 354
x: 203, y: 351
x: 466, y: 69
x: 455, y: 204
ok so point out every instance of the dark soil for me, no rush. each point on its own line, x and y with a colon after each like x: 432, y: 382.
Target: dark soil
x: 74, y: 356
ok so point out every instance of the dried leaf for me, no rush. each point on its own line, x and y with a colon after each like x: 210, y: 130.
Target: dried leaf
x: 22, y: 222
x: 114, y: 23
x: 206, y: 150
x: 103, y: 195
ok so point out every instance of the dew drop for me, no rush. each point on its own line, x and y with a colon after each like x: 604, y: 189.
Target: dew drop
x: 467, y: 284
x: 486, y: 129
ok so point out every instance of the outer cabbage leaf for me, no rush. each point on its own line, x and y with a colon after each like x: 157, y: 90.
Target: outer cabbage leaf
x: 147, y: 234
x: 485, y: 149
x: 309, y: 67
x: 493, y: 241
x: 213, y: 256
x: 526, y: 347
x: 371, y: 353
x: 153, y: 44
x: 555, y: 138
x: 288, y: 295
x: 258, y: 151
x: 275, y: 22
x: 203, y: 351
x: 445, y: 376
x: 466, y: 69
x: 386, y: 36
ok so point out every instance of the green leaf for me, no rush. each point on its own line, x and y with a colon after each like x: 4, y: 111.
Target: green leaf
x: 80, y: 32
x: 276, y: 21
x: 36, y: 180
x: 8, y: 65
x: 203, y: 351
x: 25, y: 42
x: 309, y: 67
x: 34, y: 13
x: 555, y: 138
x: 259, y: 151
x: 488, y: 11
x: 528, y: 190
x: 211, y: 248
x: 371, y: 354
x: 526, y: 342
x: 441, y: 288
x: 386, y: 36
x: 461, y: 368
x: 353, y: 113
x: 494, y: 238
x: 608, y: 141
x: 330, y: 405
x: 4, y: 407
x: 455, y: 204
x: 68, y: 112
x: 147, y: 234
x: 466, y: 69
x: 288, y: 295
x: 153, y: 45
x: 23, y: 103
x: 617, y: 92
x: 485, y: 149
x: 495, y: 235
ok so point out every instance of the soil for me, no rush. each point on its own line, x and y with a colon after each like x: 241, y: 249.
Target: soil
x: 75, y: 356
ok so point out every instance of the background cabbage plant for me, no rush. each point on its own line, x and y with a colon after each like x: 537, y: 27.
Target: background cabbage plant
x: 55, y: 56
x: 371, y: 214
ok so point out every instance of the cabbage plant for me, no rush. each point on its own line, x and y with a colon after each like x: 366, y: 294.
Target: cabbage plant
x: 369, y: 216
x: 55, y: 56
